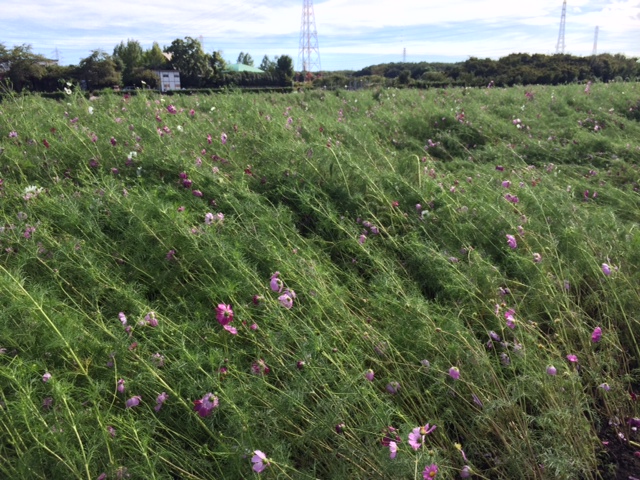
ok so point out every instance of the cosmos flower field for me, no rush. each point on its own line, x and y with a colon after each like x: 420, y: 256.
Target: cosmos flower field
x: 321, y: 285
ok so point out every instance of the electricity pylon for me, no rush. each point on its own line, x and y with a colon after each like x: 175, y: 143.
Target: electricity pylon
x: 309, y: 51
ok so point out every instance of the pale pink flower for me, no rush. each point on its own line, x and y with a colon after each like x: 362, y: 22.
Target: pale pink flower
x: 260, y: 461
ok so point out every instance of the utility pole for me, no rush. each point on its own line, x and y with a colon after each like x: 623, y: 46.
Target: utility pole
x: 404, y: 55
x: 309, y: 51
x: 563, y: 20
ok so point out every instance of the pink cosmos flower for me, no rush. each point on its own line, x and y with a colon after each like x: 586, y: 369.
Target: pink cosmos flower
x: 208, y: 218
x: 596, y: 335
x: 133, y: 401
x: 393, y: 387
x: 160, y: 399
x: 511, y: 241
x: 150, y: 319
x: 509, y: 315
x: 123, y: 318
x: 223, y: 138
x: 369, y: 375
x: 393, y: 450
x: 205, y: 405
x: 209, y: 139
x: 158, y: 360
x: 537, y: 258
x: 260, y: 461
x: 454, y: 372
x: 171, y: 109
x: 572, y: 358
x: 120, y: 386
x: 286, y: 299
x: 551, y: 370
x: 275, y: 283
x: 465, y: 472
x: 606, y: 269
x: 430, y: 472
x: 415, y: 439
x: 46, y: 377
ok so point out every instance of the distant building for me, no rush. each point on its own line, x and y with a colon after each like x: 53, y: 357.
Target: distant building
x: 48, y: 62
x: 169, y: 80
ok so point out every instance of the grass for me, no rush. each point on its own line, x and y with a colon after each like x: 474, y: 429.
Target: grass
x: 322, y: 187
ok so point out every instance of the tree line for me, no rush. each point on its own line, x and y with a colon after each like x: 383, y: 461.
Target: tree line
x: 131, y: 65
x: 513, y: 69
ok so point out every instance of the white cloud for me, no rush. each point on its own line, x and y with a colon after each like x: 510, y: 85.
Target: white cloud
x: 457, y: 27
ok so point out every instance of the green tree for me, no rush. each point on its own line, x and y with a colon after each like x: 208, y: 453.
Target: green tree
x: 268, y: 65
x: 154, y: 58
x: 130, y: 54
x: 190, y: 60
x: 22, y: 67
x: 245, y: 58
x: 98, y: 70
x: 217, y: 63
x: 284, y: 69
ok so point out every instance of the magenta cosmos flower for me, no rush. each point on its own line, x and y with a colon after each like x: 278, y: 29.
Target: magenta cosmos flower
x: 224, y: 315
x: 606, y: 269
x: 572, y: 358
x: 509, y: 316
x: 454, y: 372
x: 551, y: 370
x: 369, y: 375
x: 430, y: 471
x: 596, y: 335
x: 260, y: 461
x: 511, y: 241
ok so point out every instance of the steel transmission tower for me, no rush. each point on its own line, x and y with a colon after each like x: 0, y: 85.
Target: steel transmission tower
x: 563, y: 20
x: 595, y: 42
x: 309, y: 52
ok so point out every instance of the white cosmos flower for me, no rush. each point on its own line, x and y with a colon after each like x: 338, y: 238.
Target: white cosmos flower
x: 33, y: 189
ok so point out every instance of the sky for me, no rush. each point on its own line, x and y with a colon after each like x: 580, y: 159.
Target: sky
x: 351, y: 34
